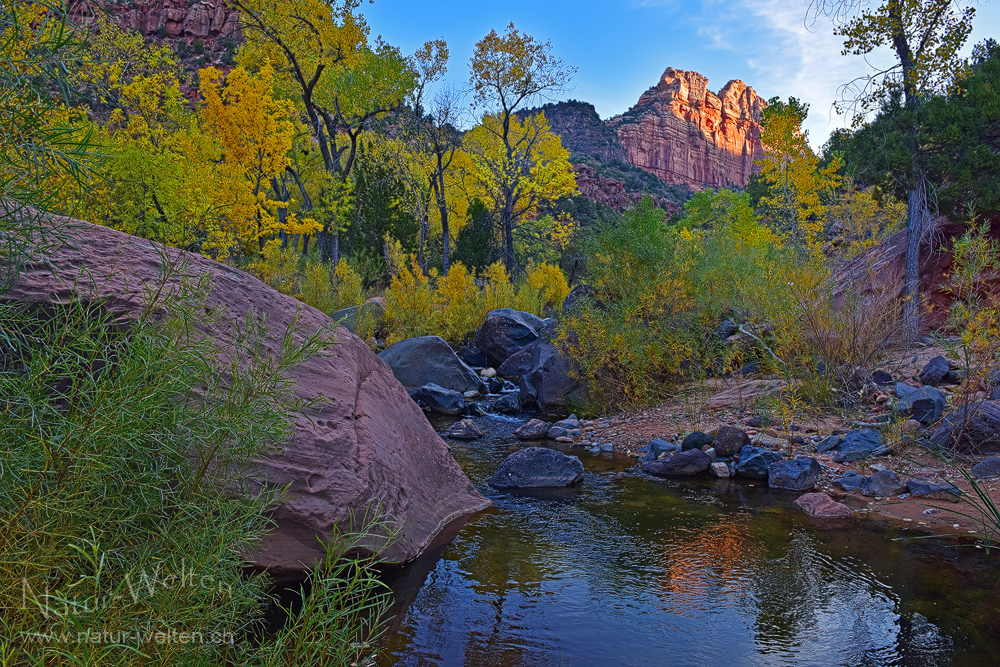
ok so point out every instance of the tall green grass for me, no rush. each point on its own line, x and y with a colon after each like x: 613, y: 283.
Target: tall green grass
x: 128, y: 498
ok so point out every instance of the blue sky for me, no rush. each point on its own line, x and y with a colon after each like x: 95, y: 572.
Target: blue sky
x: 621, y: 47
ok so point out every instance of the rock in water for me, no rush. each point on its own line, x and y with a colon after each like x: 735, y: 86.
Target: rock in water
x: 465, y: 430
x: 796, y: 475
x: 973, y: 428
x: 850, y: 482
x: 925, y: 405
x: 508, y: 404
x: 883, y: 483
x: 719, y: 469
x: 535, y: 429
x: 858, y: 445
x: 987, y: 468
x: 934, y: 371
x: 696, y: 440
x: 658, y: 447
x: 364, y: 444
x: 682, y: 464
x: 729, y: 441
x: 440, y: 400
x: 822, y: 506
x: 430, y: 360
x: 517, y: 365
x: 505, y: 332
x: 754, y: 462
x: 534, y: 467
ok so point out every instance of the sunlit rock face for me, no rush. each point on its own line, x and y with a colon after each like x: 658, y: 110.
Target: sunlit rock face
x: 686, y: 134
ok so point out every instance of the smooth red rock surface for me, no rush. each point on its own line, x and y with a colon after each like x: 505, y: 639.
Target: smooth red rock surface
x: 364, y: 445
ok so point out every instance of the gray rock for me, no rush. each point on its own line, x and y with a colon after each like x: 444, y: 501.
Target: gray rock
x: 954, y: 376
x: 505, y: 332
x: 754, y: 462
x: 508, y: 404
x: 828, y: 443
x: 535, y: 429
x: 367, y: 316
x: 608, y: 447
x: 795, y: 475
x: 430, y: 360
x: 569, y: 423
x: 557, y: 432
x: 729, y: 441
x: 465, y: 430
x: 527, y: 391
x: 921, y: 488
x: 972, y: 428
x: 726, y: 329
x: 577, y: 297
x: 696, y: 440
x: 882, y: 378
x: 516, y: 365
x: 473, y: 356
x: 926, y: 405
x: 552, y: 378
x: 903, y: 390
x: 535, y: 467
x: 987, y: 468
x: 719, y: 469
x: 439, y: 399
x: 884, y: 484
x: 658, y: 447
x: 934, y: 371
x: 858, y: 445
x: 850, y: 482
x: 995, y: 394
x: 682, y: 464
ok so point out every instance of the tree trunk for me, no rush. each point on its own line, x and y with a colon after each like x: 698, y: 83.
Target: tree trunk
x: 916, y: 213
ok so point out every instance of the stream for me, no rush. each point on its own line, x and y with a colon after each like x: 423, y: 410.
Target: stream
x: 629, y: 570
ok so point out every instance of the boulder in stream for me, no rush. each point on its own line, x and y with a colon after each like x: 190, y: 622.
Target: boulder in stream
x: 682, y: 464
x: 535, y: 467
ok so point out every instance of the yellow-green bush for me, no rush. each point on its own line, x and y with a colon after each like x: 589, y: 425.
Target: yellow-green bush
x: 454, y: 306
x: 308, y: 279
x: 659, y: 290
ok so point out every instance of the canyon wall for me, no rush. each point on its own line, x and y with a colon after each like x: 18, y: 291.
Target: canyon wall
x: 686, y: 134
x: 177, y: 19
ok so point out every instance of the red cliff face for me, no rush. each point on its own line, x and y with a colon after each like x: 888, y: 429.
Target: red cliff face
x: 177, y: 19
x: 685, y: 134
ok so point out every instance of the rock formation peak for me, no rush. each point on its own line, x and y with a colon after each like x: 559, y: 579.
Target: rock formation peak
x: 686, y: 134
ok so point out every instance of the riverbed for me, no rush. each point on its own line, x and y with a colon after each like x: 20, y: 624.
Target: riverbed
x: 630, y: 570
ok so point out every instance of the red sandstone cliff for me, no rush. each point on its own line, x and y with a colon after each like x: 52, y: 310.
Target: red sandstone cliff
x: 206, y: 19
x: 684, y: 133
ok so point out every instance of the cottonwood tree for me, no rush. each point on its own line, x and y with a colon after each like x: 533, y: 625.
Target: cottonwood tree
x: 516, y: 167
x: 509, y: 72
x: 320, y: 49
x: 926, y: 37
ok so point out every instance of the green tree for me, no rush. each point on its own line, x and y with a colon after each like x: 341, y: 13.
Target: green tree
x: 926, y: 37
x: 509, y: 72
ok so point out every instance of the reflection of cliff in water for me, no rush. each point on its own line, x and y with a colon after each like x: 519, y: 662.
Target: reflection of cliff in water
x: 633, y: 571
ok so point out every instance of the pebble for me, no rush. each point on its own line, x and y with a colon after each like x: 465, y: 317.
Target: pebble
x: 564, y: 438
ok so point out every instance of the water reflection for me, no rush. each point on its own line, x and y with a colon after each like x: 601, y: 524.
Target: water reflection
x: 632, y: 571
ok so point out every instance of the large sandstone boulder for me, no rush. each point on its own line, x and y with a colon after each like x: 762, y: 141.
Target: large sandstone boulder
x: 361, y: 445
x: 505, y: 332
x: 430, y: 360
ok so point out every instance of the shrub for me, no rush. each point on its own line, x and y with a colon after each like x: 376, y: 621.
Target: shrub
x: 410, y: 304
x: 463, y: 306
x: 127, y: 460
x: 544, y: 290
